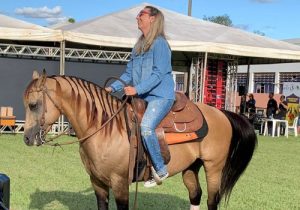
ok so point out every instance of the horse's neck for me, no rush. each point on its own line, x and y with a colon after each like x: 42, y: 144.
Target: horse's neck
x: 85, y: 105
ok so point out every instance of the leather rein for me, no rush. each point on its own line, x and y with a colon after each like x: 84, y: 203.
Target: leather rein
x: 42, y: 133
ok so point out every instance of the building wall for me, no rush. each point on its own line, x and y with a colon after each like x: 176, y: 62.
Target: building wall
x: 276, y: 70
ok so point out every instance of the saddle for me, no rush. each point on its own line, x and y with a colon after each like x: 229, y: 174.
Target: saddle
x: 185, y: 122
x: 184, y: 117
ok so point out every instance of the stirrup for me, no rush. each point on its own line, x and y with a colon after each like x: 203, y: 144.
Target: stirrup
x: 156, y: 179
x: 155, y: 176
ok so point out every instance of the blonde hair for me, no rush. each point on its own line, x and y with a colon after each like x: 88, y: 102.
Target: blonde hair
x: 157, y: 29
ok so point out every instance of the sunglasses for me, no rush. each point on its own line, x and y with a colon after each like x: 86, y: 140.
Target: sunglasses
x: 142, y: 12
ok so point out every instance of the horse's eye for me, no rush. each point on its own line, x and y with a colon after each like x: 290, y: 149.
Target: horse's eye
x: 33, y: 106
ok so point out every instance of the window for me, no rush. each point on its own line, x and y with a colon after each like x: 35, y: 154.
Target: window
x: 179, y: 82
x: 180, y: 79
x: 241, y: 79
x: 264, y: 82
x: 288, y: 77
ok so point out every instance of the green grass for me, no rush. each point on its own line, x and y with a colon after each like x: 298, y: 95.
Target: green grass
x: 43, y: 178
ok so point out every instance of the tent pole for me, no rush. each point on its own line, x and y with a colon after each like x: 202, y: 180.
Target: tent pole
x: 191, y: 72
x: 61, y: 119
x: 203, y: 77
x: 190, y: 8
x: 247, y: 84
x: 248, y: 75
x: 62, y: 58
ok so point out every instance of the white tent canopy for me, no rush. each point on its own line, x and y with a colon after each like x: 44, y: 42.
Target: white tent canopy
x: 14, y: 29
x: 184, y: 33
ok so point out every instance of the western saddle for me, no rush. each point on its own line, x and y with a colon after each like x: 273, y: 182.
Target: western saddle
x: 185, y: 122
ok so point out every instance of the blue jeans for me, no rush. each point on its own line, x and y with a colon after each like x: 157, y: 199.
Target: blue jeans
x: 156, y: 110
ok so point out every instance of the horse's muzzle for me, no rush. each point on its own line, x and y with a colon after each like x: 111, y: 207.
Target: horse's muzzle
x: 27, y: 141
x: 34, y: 136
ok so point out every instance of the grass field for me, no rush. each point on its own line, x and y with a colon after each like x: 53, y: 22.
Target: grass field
x: 43, y: 178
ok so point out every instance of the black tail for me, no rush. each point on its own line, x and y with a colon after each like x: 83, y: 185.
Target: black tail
x: 243, y: 144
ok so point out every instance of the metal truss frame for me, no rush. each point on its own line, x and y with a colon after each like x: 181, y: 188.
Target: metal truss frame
x: 222, y: 57
x: 196, y: 79
x: 37, y: 52
x: 197, y: 75
x: 231, y: 85
x: 19, y: 128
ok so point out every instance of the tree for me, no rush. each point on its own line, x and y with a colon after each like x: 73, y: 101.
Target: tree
x: 226, y: 21
x: 220, y: 19
x: 71, y: 20
x: 259, y: 32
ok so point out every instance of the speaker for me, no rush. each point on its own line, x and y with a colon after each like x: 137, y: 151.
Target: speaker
x: 242, y: 90
x: 4, y: 192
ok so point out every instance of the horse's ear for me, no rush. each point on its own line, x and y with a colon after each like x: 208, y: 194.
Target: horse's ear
x: 41, y: 78
x: 44, y: 76
x: 35, y: 75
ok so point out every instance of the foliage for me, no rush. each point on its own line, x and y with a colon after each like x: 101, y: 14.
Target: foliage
x: 259, y: 32
x: 71, y: 20
x: 226, y: 21
x: 220, y: 19
x: 48, y: 178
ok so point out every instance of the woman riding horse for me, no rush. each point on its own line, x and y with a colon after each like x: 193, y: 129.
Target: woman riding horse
x: 149, y: 70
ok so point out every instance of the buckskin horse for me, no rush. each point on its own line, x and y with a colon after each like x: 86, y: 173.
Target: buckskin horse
x: 224, y: 152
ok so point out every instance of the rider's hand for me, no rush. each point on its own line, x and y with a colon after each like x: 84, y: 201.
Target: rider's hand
x: 130, y: 91
x: 109, y: 89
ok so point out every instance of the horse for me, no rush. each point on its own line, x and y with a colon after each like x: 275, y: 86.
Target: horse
x: 224, y: 152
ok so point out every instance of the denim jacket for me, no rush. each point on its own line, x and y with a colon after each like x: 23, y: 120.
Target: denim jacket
x: 150, y: 72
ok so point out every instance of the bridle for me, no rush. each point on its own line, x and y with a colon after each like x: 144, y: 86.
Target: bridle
x: 42, y: 132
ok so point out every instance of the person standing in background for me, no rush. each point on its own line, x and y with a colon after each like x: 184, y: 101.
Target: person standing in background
x: 242, y: 105
x: 282, y: 111
x: 251, y: 108
x: 271, y: 110
x: 251, y: 104
x: 271, y: 106
x: 282, y: 108
x: 298, y: 123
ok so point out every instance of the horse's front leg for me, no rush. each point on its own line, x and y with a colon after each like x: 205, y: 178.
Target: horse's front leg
x: 102, y: 194
x: 120, y: 188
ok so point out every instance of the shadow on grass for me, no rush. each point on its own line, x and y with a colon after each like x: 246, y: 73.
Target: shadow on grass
x: 87, y: 200
x: 56, y: 199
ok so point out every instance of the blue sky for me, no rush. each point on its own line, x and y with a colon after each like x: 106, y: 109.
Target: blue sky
x: 278, y: 19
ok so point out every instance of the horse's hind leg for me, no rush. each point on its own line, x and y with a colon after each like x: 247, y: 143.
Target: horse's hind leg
x: 191, y: 181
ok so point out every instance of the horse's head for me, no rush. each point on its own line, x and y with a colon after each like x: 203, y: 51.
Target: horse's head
x: 41, y: 107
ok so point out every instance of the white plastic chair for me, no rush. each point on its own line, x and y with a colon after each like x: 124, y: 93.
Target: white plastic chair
x: 293, y: 127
